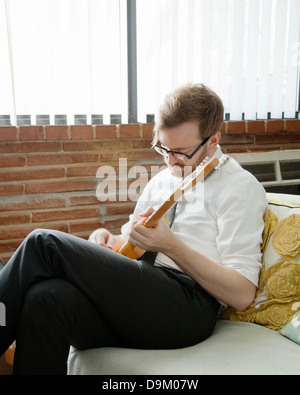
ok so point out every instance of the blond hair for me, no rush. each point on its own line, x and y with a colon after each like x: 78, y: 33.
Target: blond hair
x: 191, y: 102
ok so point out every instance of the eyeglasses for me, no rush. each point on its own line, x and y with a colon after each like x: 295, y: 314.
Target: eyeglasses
x: 179, y: 155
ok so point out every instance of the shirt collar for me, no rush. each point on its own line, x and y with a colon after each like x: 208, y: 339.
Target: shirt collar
x: 218, y: 153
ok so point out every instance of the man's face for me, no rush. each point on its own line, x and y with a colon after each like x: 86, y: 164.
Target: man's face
x: 185, y: 139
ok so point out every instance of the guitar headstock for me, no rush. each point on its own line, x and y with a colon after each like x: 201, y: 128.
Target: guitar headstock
x: 221, y: 162
x: 207, y: 159
x: 201, y: 167
x: 207, y: 167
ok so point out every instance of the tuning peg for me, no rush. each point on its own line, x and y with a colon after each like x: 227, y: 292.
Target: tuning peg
x: 205, y: 160
x: 222, y: 161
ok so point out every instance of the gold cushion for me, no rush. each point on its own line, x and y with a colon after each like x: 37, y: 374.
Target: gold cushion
x: 278, y: 293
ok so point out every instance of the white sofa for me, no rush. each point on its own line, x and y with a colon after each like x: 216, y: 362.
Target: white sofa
x: 234, y: 348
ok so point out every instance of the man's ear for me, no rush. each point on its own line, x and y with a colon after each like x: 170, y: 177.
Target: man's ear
x: 214, y: 141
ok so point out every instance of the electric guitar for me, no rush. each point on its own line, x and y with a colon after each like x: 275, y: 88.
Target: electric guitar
x: 206, y: 168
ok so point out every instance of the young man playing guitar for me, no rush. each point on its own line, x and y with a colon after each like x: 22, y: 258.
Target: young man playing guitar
x: 60, y: 290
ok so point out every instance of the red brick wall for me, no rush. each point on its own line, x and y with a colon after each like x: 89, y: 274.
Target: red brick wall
x: 48, y: 173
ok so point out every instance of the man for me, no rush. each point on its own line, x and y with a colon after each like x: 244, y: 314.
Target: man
x: 60, y: 290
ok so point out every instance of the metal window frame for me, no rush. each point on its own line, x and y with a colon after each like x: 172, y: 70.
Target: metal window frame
x: 132, y: 61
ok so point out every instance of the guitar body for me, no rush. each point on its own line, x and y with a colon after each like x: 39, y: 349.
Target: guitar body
x: 200, y: 173
x: 131, y: 251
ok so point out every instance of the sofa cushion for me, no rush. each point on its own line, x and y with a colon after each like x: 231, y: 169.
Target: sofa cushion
x: 278, y: 294
x: 233, y: 348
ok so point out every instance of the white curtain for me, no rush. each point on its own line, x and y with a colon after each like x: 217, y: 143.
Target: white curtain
x: 69, y: 57
x: 63, y: 57
x: 246, y: 50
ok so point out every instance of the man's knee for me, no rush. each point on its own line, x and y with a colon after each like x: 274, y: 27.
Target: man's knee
x: 34, y: 240
x: 41, y: 239
x: 39, y: 235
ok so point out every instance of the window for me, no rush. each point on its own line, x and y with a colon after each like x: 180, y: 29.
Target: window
x: 246, y: 50
x: 96, y: 61
x: 65, y: 61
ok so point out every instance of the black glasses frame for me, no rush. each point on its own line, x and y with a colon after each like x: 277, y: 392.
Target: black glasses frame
x: 181, y: 153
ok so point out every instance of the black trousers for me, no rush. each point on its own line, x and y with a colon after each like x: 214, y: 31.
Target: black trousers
x: 60, y: 290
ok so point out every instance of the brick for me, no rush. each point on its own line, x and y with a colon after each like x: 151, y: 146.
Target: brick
x: 36, y: 160
x: 137, y: 156
x: 31, y: 204
x: 90, y: 226
x: 83, y: 171
x: 106, y: 132
x: 9, y: 246
x: 278, y: 138
x: 115, y: 223
x: 98, y: 146
x: 142, y: 143
x: 41, y: 147
x: 60, y: 186
x: 14, y: 233
x: 236, y: 127
x: 147, y: 130
x: 83, y: 200
x: 14, y: 219
x: 22, y: 232
x: 117, y: 145
x: 59, y: 132
x: 64, y: 214
x: 31, y: 174
x: 79, y: 146
x: 238, y: 139
x: 10, y: 148
x: 275, y: 126
x: 8, y: 133
x: 293, y: 125
x: 256, y: 127
x: 130, y: 131
x: 12, y: 161
x: 11, y: 189
x: 224, y: 128
x: 31, y: 133
x: 119, y: 209
x: 81, y: 132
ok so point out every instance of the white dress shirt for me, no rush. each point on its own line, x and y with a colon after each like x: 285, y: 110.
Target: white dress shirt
x: 221, y: 218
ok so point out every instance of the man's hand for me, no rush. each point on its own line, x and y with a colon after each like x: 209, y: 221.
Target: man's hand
x: 150, y: 239
x: 106, y: 239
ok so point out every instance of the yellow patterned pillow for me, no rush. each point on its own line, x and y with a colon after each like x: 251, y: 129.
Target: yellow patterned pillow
x: 279, y: 285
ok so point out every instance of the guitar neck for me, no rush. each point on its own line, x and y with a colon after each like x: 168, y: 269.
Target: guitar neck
x: 200, y: 173
x: 186, y: 184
